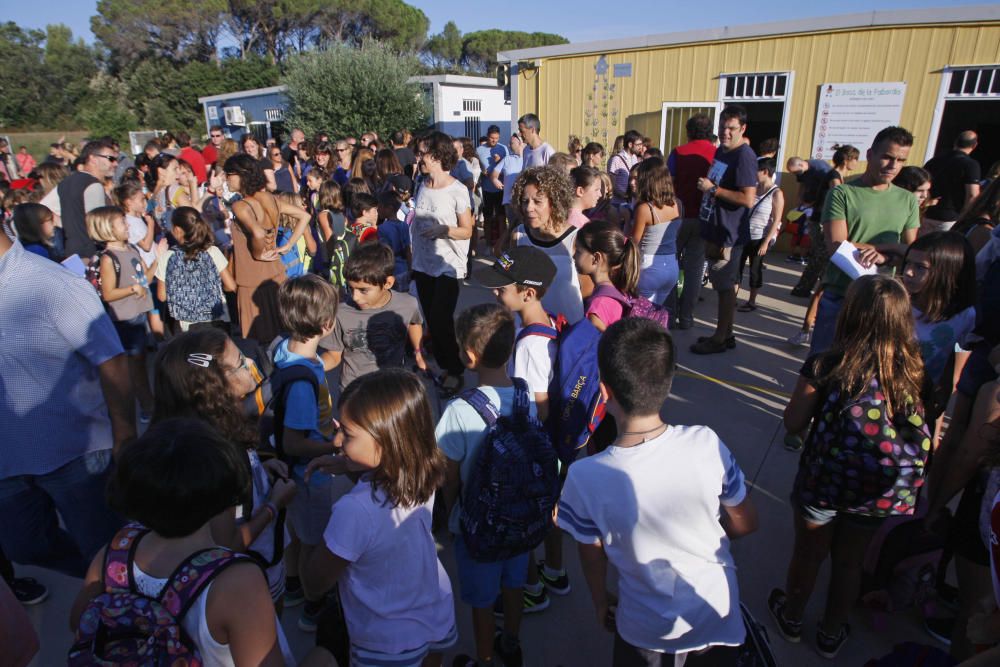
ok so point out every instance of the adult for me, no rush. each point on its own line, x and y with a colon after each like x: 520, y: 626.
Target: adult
x: 284, y: 180
x: 290, y: 150
x: 490, y: 155
x: 536, y: 152
x: 194, y: 158
x: 729, y: 191
x: 250, y: 146
x: 504, y: 176
x: 688, y: 163
x: 592, y: 155
x: 83, y: 191
x: 954, y: 182
x: 621, y: 164
x: 982, y: 216
x: 25, y: 161
x: 166, y: 191
x: 345, y: 156
x: 658, y: 215
x: 9, y: 168
x: 257, y: 266
x: 210, y: 153
x: 810, y: 175
x: 872, y: 214
x: 169, y: 143
x: 66, y: 406
x: 386, y: 166
x: 404, y: 153
x: 440, y: 231
x: 768, y: 148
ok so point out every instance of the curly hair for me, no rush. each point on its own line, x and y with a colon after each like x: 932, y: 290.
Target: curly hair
x: 439, y: 147
x: 184, y: 389
x: 551, y: 182
x: 251, y: 174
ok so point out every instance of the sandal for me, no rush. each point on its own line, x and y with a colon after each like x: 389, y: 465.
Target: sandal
x: 747, y: 307
x: 710, y: 346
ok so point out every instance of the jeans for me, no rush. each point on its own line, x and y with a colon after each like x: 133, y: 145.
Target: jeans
x: 826, y: 322
x: 658, y: 277
x: 31, y: 506
x: 438, y: 298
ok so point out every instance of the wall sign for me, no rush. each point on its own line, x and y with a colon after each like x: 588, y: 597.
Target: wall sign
x: 853, y: 113
x: 622, y: 70
x: 213, y: 113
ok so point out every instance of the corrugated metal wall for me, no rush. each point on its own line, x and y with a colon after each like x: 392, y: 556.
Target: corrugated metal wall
x: 580, y: 94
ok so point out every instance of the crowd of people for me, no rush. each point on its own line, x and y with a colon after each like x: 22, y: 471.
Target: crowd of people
x: 169, y: 320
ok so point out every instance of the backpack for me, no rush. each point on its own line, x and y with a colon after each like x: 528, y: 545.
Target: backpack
x: 509, y: 497
x: 193, y: 293
x: 635, y: 306
x: 339, y: 247
x: 291, y: 259
x: 274, y: 396
x: 93, y: 272
x: 121, y: 626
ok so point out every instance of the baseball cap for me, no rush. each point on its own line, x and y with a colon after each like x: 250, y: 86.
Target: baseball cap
x: 521, y: 265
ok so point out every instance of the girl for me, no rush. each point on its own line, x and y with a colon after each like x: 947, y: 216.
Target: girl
x: 545, y: 197
x: 864, y: 457
x: 352, y: 186
x: 378, y: 545
x: 657, y: 220
x: 918, y: 181
x: 36, y: 229
x: 290, y: 231
x: 386, y: 165
x: 142, y: 234
x: 329, y: 216
x: 191, y: 276
x: 587, y: 188
x: 202, y: 374
x: 765, y: 222
x: 125, y: 292
x: 165, y: 193
x: 609, y: 259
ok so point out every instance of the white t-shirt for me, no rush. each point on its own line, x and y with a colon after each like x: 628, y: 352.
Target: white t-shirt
x: 532, y: 361
x: 442, y: 206
x: 461, y: 431
x: 396, y: 594
x: 220, y: 262
x: 563, y: 295
x: 655, y: 507
x: 509, y: 168
x: 137, y: 229
x: 537, y: 157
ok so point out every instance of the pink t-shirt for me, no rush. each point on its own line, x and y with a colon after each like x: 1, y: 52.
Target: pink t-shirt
x: 576, y: 218
x: 608, y: 309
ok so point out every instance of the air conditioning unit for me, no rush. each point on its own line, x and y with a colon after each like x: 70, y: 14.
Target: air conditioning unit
x: 234, y: 115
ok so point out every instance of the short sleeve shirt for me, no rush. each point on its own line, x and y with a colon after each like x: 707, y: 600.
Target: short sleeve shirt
x: 441, y: 206
x: 949, y: 176
x: 304, y: 409
x: 533, y: 360
x: 721, y: 222
x: 537, y: 157
x: 606, y: 308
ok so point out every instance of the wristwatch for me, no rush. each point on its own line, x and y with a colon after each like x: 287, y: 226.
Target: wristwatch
x: 713, y: 189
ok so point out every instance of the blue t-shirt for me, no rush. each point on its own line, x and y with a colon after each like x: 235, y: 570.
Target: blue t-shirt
x: 304, y: 410
x: 396, y: 235
x: 488, y: 159
x: 721, y: 222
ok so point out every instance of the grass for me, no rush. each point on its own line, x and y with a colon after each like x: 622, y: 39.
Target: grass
x: 38, y: 142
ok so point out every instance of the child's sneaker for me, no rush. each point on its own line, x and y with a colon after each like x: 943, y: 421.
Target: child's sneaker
x: 535, y: 602
x: 829, y: 646
x: 558, y: 584
x: 790, y: 630
x: 310, y: 615
x: 801, y: 338
x: 510, y: 655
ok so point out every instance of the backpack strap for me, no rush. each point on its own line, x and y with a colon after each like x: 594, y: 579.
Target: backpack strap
x: 119, y: 557
x: 192, y: 577
x: 522, y: 404
x: 538, y: 330
x: 610, y: 291
x: 282, y: 381
x: 482, y: 405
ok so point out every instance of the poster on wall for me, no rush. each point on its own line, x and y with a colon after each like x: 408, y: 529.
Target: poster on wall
x: 853, y: 113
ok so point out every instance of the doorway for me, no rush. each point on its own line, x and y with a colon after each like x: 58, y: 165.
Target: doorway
x: 673, y: 121
x: 980, y: 116
x: 763, y: 122
x: 765, y: 96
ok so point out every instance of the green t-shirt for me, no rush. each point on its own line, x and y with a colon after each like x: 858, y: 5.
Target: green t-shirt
x: 873, y: 216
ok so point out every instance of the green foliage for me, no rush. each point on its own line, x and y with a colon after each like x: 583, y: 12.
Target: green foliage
x: 444, y: 50
x: 103, y: 111
x: 346, y: 91
x: 479, y: 49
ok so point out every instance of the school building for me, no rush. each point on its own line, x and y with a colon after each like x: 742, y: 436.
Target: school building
x: 809, y: 83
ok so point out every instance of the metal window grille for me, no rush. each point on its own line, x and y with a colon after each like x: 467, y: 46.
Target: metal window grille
x: 975, y: 82
x: 755, y: 86
x: 472, y: 127
x: 472, y: 105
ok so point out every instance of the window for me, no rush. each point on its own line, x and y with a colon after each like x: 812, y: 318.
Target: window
x: 472, y: 128
x: 472, y: 105
x: 765, y: 96
x: 975, y: 82
x: 755, y: 86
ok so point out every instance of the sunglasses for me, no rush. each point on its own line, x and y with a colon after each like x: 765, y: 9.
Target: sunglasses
x: 109, y: 158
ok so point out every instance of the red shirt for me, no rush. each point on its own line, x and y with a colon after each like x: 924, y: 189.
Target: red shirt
x: 210, y: 153
x: 688, y: 163
x: 197, y: 162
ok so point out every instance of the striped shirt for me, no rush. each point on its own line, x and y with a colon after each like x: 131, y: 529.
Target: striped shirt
x: 54, y: 333
x: 619, y: 167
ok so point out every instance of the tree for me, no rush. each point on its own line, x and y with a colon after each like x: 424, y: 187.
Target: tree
x: 346, y: 91
x: 69, y: 68
x: 444, y: 50
x: 102, y: 112
x: 23, y: 71
x: 479, y: 49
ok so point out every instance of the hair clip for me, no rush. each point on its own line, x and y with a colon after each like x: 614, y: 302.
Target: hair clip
x: 199, y: 359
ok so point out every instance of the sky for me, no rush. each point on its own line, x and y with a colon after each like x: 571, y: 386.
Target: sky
x: 578, y: 21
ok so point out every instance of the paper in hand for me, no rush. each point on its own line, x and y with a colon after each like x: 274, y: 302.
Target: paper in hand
x: 845, y: 258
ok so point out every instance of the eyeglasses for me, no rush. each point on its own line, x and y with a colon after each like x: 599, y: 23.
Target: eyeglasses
x: 216, y: 136
x: 109, y: 158
x: 243, y: 365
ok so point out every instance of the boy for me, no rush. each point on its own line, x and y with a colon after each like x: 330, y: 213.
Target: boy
x: 372, y: 328
x: 308, y: 308
x: 395, y: 233
x: 364, y: 213
x: 485, y: 336
x: 677, y: 579
x: 519, y: 279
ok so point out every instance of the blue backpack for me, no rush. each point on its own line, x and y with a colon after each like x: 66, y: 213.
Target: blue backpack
x: 509, y: 497
x: 193, y: 290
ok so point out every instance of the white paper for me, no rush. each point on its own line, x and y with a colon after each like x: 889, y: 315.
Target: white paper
x: 845, y: 258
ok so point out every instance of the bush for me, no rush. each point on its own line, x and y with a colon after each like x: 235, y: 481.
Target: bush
x: 346, y: 91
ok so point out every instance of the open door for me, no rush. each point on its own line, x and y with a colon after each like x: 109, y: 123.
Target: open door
x: 674, y: 117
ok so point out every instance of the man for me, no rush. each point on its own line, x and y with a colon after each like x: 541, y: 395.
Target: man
x: 490, y: 155
x: 810, y: 174
x: 83, y: 191
x: 290, y: 150
x: 403, y: 152
x: 504, y: 176
x: 536, y: 151
x: 8, y: 164
x: 621, y: 164
x: 192, y: 157
x: 66, y: 406
x: 210, y: 153
x: 728, y: 192
x: 954, y: 183
x: 688, y: 163
x: 871, y: 213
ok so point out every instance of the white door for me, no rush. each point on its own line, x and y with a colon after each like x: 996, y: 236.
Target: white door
x: 674, y: 117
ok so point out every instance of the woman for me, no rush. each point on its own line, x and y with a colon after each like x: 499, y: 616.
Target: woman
x: 228, y: 149
x: 359, y: 170
x: 658, y: 213
x: 386, y: 165
x: 982, y: 216
x: 250, y: 146
x: 575, y: 149
x: 51, y: 174
x: 593, y: 155
x: 257, y: 267
x: 441, y: 229
x: 165, y: 190
x: 283, y: 179
x: 303, y: 156
x: 345, y: 158
x: 587, y: 190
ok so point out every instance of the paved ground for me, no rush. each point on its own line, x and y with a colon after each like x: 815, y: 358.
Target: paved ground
x: 741, y: 395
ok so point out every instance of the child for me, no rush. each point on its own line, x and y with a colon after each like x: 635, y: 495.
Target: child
x: 141, y: 226
x: 308, y: 308
x: 364, y: 216
x: 203, y: 374
x: 485, y: 336
x: 765, y: 223
x: 395, y: 233
x: 289, y: 233
x: 395, y: 593
x: 173, y: 481
x: 375, y: 323
x: 191, y: 276
x: 35, y: 228
x: 330, y: 223
x: 545, y: 197
x: 679, y: 498
x: 125, y: 292
x: 610, y: 259
x: 864, y: 457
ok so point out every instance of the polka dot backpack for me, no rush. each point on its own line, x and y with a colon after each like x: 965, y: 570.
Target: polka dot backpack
x: 860, y: 460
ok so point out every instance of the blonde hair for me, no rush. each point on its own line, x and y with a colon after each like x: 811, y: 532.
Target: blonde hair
x: 101, y: 223
x: 285, y: 220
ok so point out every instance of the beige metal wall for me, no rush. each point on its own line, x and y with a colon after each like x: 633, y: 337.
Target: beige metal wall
x: 569, y: 94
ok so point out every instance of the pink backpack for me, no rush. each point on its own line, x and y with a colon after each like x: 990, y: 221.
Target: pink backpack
x: 637, y: 306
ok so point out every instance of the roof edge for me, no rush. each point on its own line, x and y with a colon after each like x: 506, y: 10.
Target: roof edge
x: 242, y: 93
x: 456, y: 80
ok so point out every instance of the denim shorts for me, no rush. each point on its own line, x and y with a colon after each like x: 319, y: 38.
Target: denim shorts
x: 132, y: 334
x: 821, y: 516
x: 724, y: 273
x: 480, y: 583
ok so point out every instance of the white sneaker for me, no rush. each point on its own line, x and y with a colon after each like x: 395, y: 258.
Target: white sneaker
x: 801, y: 338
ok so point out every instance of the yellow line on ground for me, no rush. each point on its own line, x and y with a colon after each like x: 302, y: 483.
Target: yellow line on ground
x: 728, y: 383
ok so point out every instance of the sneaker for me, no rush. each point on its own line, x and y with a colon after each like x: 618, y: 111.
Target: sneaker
x: 293, y: 596
x: 558, y: 585
x: 791, y: 631
x: 801, y: 338
x: 145, y: 417
x: 829, y: 646
x: 533, y: 603
x: 310, y: 615
x: 28, y: 591
x: 940, y: 629
x: 793, y: 442
x: 512, y: 658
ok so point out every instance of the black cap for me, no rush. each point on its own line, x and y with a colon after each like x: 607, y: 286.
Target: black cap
x: 401, y: 183
x: 521, y: 265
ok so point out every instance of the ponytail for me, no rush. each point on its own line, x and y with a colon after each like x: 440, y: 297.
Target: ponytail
x: 625, y: 274
x: 619, y: 251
